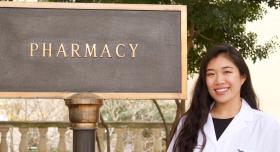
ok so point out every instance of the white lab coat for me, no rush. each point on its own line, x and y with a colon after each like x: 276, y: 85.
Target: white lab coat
x: 250, y: 131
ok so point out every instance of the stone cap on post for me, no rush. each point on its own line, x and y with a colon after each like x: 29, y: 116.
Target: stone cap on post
x: 83, y: 110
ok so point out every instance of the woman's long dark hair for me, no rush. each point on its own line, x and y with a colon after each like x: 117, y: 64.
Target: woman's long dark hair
x: 197, y: 114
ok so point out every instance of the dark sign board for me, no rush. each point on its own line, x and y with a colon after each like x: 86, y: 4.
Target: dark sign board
x: 116, y: 51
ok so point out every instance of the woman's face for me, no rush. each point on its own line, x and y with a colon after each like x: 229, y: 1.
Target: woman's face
x: 223, y: 79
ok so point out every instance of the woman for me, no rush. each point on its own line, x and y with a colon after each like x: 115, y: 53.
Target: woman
x: 224, y: 115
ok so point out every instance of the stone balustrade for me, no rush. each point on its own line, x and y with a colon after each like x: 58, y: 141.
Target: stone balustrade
x: 124, y: 136
x: 24, y: 127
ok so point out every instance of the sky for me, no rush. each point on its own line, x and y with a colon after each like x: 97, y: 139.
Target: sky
x: 266, y: 73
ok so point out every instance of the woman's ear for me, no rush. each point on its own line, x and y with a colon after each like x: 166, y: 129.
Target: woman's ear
x: 243, y: 79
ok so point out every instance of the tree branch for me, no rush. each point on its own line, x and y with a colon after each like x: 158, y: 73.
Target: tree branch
x: 180, y: 110
x: 163, y: 119
x: 205, y: 37
x: 98, y: 142
x: 107, y: 133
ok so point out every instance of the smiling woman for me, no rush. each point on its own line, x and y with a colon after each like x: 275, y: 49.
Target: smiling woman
x: 224, y: 115
x: 224, y: 82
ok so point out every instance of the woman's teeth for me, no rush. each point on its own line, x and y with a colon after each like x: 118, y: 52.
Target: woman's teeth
x: 221, y: 90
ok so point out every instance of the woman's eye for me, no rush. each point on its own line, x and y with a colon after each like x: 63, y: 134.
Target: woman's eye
x: 228, y: 72
x: 210, y: 74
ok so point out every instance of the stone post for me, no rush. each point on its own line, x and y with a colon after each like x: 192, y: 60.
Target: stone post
x: 61, y: 144
x: 42, y: 147
x: 23, y: 146
x: 3, y: 145
x: 83, y: 115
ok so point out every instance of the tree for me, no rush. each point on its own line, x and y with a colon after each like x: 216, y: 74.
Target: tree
x: 215, y: 21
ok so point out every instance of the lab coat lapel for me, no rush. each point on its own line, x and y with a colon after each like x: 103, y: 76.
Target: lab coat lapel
x: 239, y: 122
x: 210, y: 131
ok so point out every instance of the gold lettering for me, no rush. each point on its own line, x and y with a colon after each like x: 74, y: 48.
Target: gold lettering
x: 61, y: 50
x: 117, y: 50
x: 91, y: 50
x: 47, y: 49
x: 106, y: 50
x: 75, y: 49
x: 33, y: 47
x: 133, y: 49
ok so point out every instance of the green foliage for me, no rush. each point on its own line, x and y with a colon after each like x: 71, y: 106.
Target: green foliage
x: 212, y: 22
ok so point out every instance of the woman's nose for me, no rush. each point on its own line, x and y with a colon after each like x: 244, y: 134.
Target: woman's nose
x: 219, y: 79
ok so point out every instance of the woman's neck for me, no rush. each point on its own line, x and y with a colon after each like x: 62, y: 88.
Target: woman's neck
x: 226, y: 110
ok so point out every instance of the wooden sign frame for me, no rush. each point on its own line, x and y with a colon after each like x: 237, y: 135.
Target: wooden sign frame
x: 111, y: 95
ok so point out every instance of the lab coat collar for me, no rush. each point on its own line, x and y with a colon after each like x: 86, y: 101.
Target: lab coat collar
x: 246, y: 112
x: 240, y: 121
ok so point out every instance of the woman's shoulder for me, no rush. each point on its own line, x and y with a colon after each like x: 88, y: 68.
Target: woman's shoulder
x: 182, y: 120
x: 264, y: 120
x: 268, y: 131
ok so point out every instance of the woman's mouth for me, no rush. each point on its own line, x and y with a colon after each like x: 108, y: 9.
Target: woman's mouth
x: 221, y: 90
